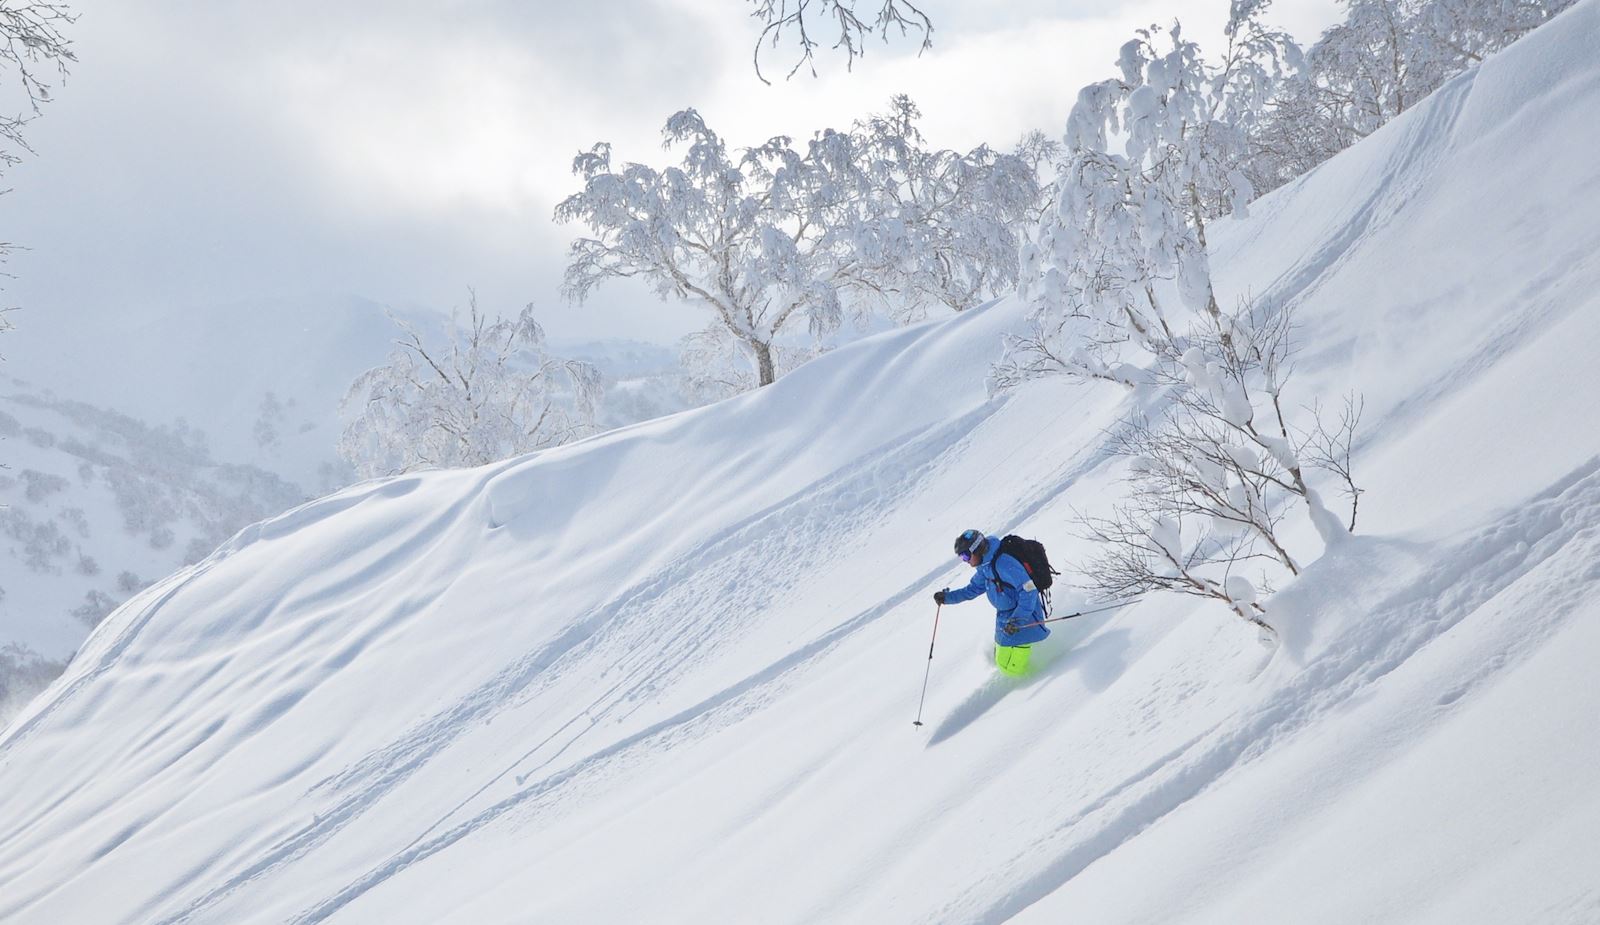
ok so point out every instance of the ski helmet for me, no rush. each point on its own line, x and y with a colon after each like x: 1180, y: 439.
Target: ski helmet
x: 970, y: 543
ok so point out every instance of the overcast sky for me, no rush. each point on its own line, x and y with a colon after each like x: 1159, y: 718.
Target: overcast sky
x: 219, y: 150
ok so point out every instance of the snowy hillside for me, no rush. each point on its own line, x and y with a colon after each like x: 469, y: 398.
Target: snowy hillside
x: 97, y: 505
x: 668, y: 674
x: 137, y: 442
x: 113, y: 485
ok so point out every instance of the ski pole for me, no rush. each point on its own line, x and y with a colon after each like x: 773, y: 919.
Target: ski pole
x: 1081, y: 613
x: 918, y: 720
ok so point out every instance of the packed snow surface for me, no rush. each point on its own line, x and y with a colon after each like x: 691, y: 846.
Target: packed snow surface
x: 668, y: 674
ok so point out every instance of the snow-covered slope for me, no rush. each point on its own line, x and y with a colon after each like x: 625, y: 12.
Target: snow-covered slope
x: 668, y: 674
x: 97, y: 505
x: 228, y: 414
x: 137, y: 441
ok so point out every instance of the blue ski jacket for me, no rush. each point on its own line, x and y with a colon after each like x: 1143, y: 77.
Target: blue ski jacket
x: 1014, y: 597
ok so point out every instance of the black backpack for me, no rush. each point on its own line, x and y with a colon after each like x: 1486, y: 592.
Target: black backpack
x: 1031, y: 554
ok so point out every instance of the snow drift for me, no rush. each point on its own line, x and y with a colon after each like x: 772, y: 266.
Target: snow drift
x: 667, y: 674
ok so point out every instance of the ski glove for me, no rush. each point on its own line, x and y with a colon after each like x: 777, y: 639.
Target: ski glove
x: 938, y: 596
x: 1010, y: 628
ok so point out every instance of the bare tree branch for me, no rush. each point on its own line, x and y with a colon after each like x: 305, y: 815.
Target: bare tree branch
x: 798, y: 17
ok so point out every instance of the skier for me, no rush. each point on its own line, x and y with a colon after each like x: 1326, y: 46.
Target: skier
x: 1015, y: 599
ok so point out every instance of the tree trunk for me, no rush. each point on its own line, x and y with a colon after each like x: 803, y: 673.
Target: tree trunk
x: 766, y: 372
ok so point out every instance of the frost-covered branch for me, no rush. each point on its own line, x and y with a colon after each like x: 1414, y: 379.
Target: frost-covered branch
x: 1142, y: 550
x: 802, y: 19
x: 32, y: 42
x: 31, y: 38
x: 1329, y: 449
x: 1222, y: 458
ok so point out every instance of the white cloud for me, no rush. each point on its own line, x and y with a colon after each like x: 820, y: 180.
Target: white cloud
x: 406, y: 150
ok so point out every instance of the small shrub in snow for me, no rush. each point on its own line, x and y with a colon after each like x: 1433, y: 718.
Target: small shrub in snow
x: 39, y: 544
x: 1222, y: 464
x: 1143, y: 549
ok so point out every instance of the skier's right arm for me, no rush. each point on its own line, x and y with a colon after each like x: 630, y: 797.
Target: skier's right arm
x: 972, y: 590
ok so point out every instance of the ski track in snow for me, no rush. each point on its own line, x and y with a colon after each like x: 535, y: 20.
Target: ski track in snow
x: 144, y: 608
x: 107, y: 657
x: 842, y: 504
x: 1461, y: 579
x: 838, y: 505
x: 1402, y: 177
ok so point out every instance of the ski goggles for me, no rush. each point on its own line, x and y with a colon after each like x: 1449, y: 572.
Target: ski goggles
x: 965, y: 556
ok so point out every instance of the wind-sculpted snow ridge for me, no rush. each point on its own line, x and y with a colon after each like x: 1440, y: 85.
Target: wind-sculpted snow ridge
x: 668, y: 673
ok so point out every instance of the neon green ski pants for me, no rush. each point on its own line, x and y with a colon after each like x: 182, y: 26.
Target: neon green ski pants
x: 1012, y: 660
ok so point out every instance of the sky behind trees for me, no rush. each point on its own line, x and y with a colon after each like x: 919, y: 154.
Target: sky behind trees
x: 210, y: 153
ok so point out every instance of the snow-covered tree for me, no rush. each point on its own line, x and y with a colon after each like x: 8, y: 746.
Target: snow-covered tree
x: 939, y: 226
x: 1464, y: 31
x: 782, y: 241
x: 1042, y: 154
x: 1215, y: 472
x: 1382, y: 59
x: 491, y: 392
x: 1210, y: 475
x: 711, y: 365
x: 1128, y: 225
x: 804, y: 20
x: 752, y: 236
